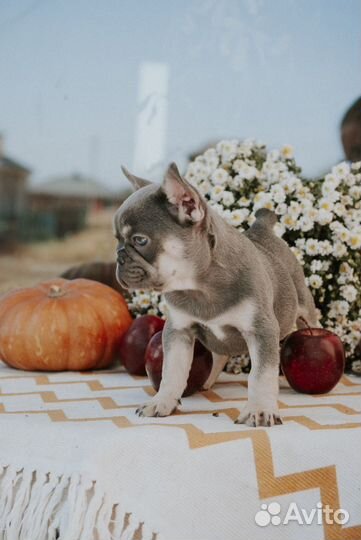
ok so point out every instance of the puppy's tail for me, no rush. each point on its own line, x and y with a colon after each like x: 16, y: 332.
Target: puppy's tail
x: 265, y: 217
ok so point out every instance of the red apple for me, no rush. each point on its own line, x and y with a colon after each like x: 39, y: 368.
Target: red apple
x: 201, y: 366
x: 313, y: 360
x: 134, y: 343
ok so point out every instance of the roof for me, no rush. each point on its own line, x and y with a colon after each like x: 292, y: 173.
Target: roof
x: 74, y: 186
x: 8, y: 163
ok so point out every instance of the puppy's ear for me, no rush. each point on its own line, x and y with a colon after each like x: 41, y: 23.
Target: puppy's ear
x: 136, y: 182
x: 186, y: 203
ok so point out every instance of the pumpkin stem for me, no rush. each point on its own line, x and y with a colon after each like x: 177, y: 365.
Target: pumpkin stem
x: 55, y: 291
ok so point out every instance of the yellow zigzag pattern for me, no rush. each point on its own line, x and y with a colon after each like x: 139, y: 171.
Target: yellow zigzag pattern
x: 269, y: 485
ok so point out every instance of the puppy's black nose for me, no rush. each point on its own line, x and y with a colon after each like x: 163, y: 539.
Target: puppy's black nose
x: 121, y: 255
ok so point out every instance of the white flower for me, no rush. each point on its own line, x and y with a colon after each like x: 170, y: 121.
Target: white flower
x: 356, y: 366
x: 339, y: 250
x: 261, y: 199
x: 220, y: 176
x: 228, y: 198
x: 346, y: 200
x: 316, y: 265
x: 289, y: 221
x: 350, y: 180
x: 211, y: 158
x: 294, y: 209
x: 306, y: 224
x: 356, y: 165
x: 300, y: 243
x: 345, y: 268
x: 268, y: 204
x: 210, y: 153
x: 287, y: 151
x: 217, y: 193
x: 355, y: 240
x: 281, y: 209
x: 325, y: 247
x: 342, y: 307
x: 278, y: 193
x: 227, y: 150
x: 238, y: 164
x: 355, y: 192
x: 339, y: 209
x: 290, y: 185
x: 342, y: 233
x: 195, y: 172
x: 315, y: 281
x: 349, y: 292
x: 311, y: 213
x: 326, y: 204
x: 236, y: 183
x: 341, y: 170
x: 329, y: 192
x: 332, y: 180
x: 204, y: 187
x: 144, y: 300
x: 245, y: 147
x: 324, y: 217
x: 311, y: 247
x: 272, y: 174
x: 243, y: 201
x: 246, y: 171
x: 305, y: 196
x: 238, y: 216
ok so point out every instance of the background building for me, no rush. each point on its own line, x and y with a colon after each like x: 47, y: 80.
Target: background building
x: 14, y: 179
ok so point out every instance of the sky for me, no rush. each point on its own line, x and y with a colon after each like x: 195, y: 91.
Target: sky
x: 73, y: 97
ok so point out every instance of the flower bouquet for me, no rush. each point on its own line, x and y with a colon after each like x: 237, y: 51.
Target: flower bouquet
x: 319, y: 219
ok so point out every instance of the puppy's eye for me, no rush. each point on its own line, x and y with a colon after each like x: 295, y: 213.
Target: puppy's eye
x: 140, y: 240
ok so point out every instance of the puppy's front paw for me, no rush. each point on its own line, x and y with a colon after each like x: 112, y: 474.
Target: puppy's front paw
x: 255, y: 417
x: 157, y: 407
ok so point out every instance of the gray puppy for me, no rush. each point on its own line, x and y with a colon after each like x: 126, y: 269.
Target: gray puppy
x: 233, y: 291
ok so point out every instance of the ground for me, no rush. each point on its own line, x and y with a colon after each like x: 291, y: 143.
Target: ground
x: 32, y: 263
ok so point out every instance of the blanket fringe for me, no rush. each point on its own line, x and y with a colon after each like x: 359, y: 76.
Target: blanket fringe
x: 39, y: 506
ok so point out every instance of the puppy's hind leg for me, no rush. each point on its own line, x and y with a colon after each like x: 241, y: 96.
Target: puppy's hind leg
x: 219, y: 361
x: 306, y: 304
x: 263, y: 345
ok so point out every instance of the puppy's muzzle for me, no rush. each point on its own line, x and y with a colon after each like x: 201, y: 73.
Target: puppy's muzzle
x: 121, y: 256
x: 133, y: 271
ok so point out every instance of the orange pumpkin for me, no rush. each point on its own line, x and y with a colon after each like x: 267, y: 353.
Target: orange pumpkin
x: 62, y: 325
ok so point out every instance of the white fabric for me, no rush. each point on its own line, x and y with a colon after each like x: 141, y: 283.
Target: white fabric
x: 78, y: 463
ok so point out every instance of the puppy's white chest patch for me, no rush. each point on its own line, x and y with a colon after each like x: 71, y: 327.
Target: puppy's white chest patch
x: 173, y: 268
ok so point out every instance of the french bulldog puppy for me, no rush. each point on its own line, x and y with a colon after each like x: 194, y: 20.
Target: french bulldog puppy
x: 232, y: 291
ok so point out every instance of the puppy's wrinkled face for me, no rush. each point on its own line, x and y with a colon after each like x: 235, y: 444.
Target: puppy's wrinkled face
x: 159, y: 229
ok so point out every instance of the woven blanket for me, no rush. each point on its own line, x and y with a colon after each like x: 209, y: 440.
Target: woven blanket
x: 78, y: 464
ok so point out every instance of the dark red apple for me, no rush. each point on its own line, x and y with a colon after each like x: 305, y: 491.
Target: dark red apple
x: 313, y: 360
x: 134, y: 343
x: 201, y: 366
